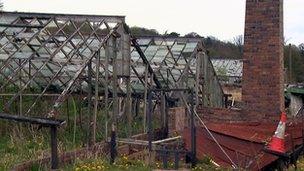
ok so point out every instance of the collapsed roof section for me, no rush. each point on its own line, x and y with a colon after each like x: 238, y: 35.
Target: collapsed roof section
x: 179, y: 63
x: 229, y: 70
x: 231, y: 67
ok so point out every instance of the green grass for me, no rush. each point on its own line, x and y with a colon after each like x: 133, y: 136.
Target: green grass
x: 19, y: 148
x: 30, y: 148
x: 16, y: 148
x: 124, y: 164
x: 121, y: 164
x: 23, y: 142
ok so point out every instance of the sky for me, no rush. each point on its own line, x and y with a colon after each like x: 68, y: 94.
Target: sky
x: 223, y: 19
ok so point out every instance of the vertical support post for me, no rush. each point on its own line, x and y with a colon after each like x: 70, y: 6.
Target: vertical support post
x: 115, y: 84
x: 126, y: 54
x: 54, y: 150
x: 128, y: 106
x: 137, y: 106
x: 145, y: 98
x: 96, y: 95
x: 115, y: 100
x: 166, y: 118
x: 165, y: 157
x: 164, y: 115
x: 30, y: 70
x: 113, y: 151
x: 68, y: 113
x: 89, y: 98
x: 106, y: 100
x: 290, y: 64
x: 176, y: 159
x: 193, y: 131
x: 20, y: 95
x: 20, y: 87
x: 149, y: 118
x: 205, y: 81
x: 198, y: 74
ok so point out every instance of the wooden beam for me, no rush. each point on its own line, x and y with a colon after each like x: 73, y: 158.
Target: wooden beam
x: 76, y: 17
x: 46, y: 122
x: 96, y: 96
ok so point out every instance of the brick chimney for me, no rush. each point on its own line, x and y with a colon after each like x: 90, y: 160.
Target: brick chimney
x: 263, y: 77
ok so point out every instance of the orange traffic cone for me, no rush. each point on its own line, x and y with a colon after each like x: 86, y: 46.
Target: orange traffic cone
x: 277, y: 143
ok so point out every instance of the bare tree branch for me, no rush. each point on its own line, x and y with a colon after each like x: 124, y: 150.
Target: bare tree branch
x: 1, y: 5
x: 301, y: 47
x: 239, y: 42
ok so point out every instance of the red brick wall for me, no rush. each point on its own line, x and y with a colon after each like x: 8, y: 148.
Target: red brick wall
x: 263, y: 57
x: 235, y: 115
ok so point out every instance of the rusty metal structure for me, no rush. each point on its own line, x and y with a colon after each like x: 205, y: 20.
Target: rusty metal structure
x: 245, y: 143
x: 47, y: 60
x: 238, y: 137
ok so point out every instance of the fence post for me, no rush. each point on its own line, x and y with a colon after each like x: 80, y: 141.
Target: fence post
x: 54, y: 150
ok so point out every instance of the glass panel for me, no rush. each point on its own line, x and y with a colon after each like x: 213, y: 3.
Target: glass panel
x: 169, y: 43
x: 150, y: 52
x: 144, y: 41
x: 158, y: 42
x: 140, y: 70
x: 162, y: 52
x: 190, y: 47
x: 178, y: 47
x: 181, y: 61
x: 134, y: 55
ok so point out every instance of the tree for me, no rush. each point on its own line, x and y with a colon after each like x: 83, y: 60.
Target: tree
x: 222, y: 73
x: 239, y: 42
x: 297, y: 63
x: 221, y: 49
x: 301, y: 47
x: 173, y: 34
x: 1, y: 5
x: 209, y: 41
x: 192, y: 35
x: 140, y: 31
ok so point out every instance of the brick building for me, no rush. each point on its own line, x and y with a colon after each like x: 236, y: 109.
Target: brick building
x: 263, y: 77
